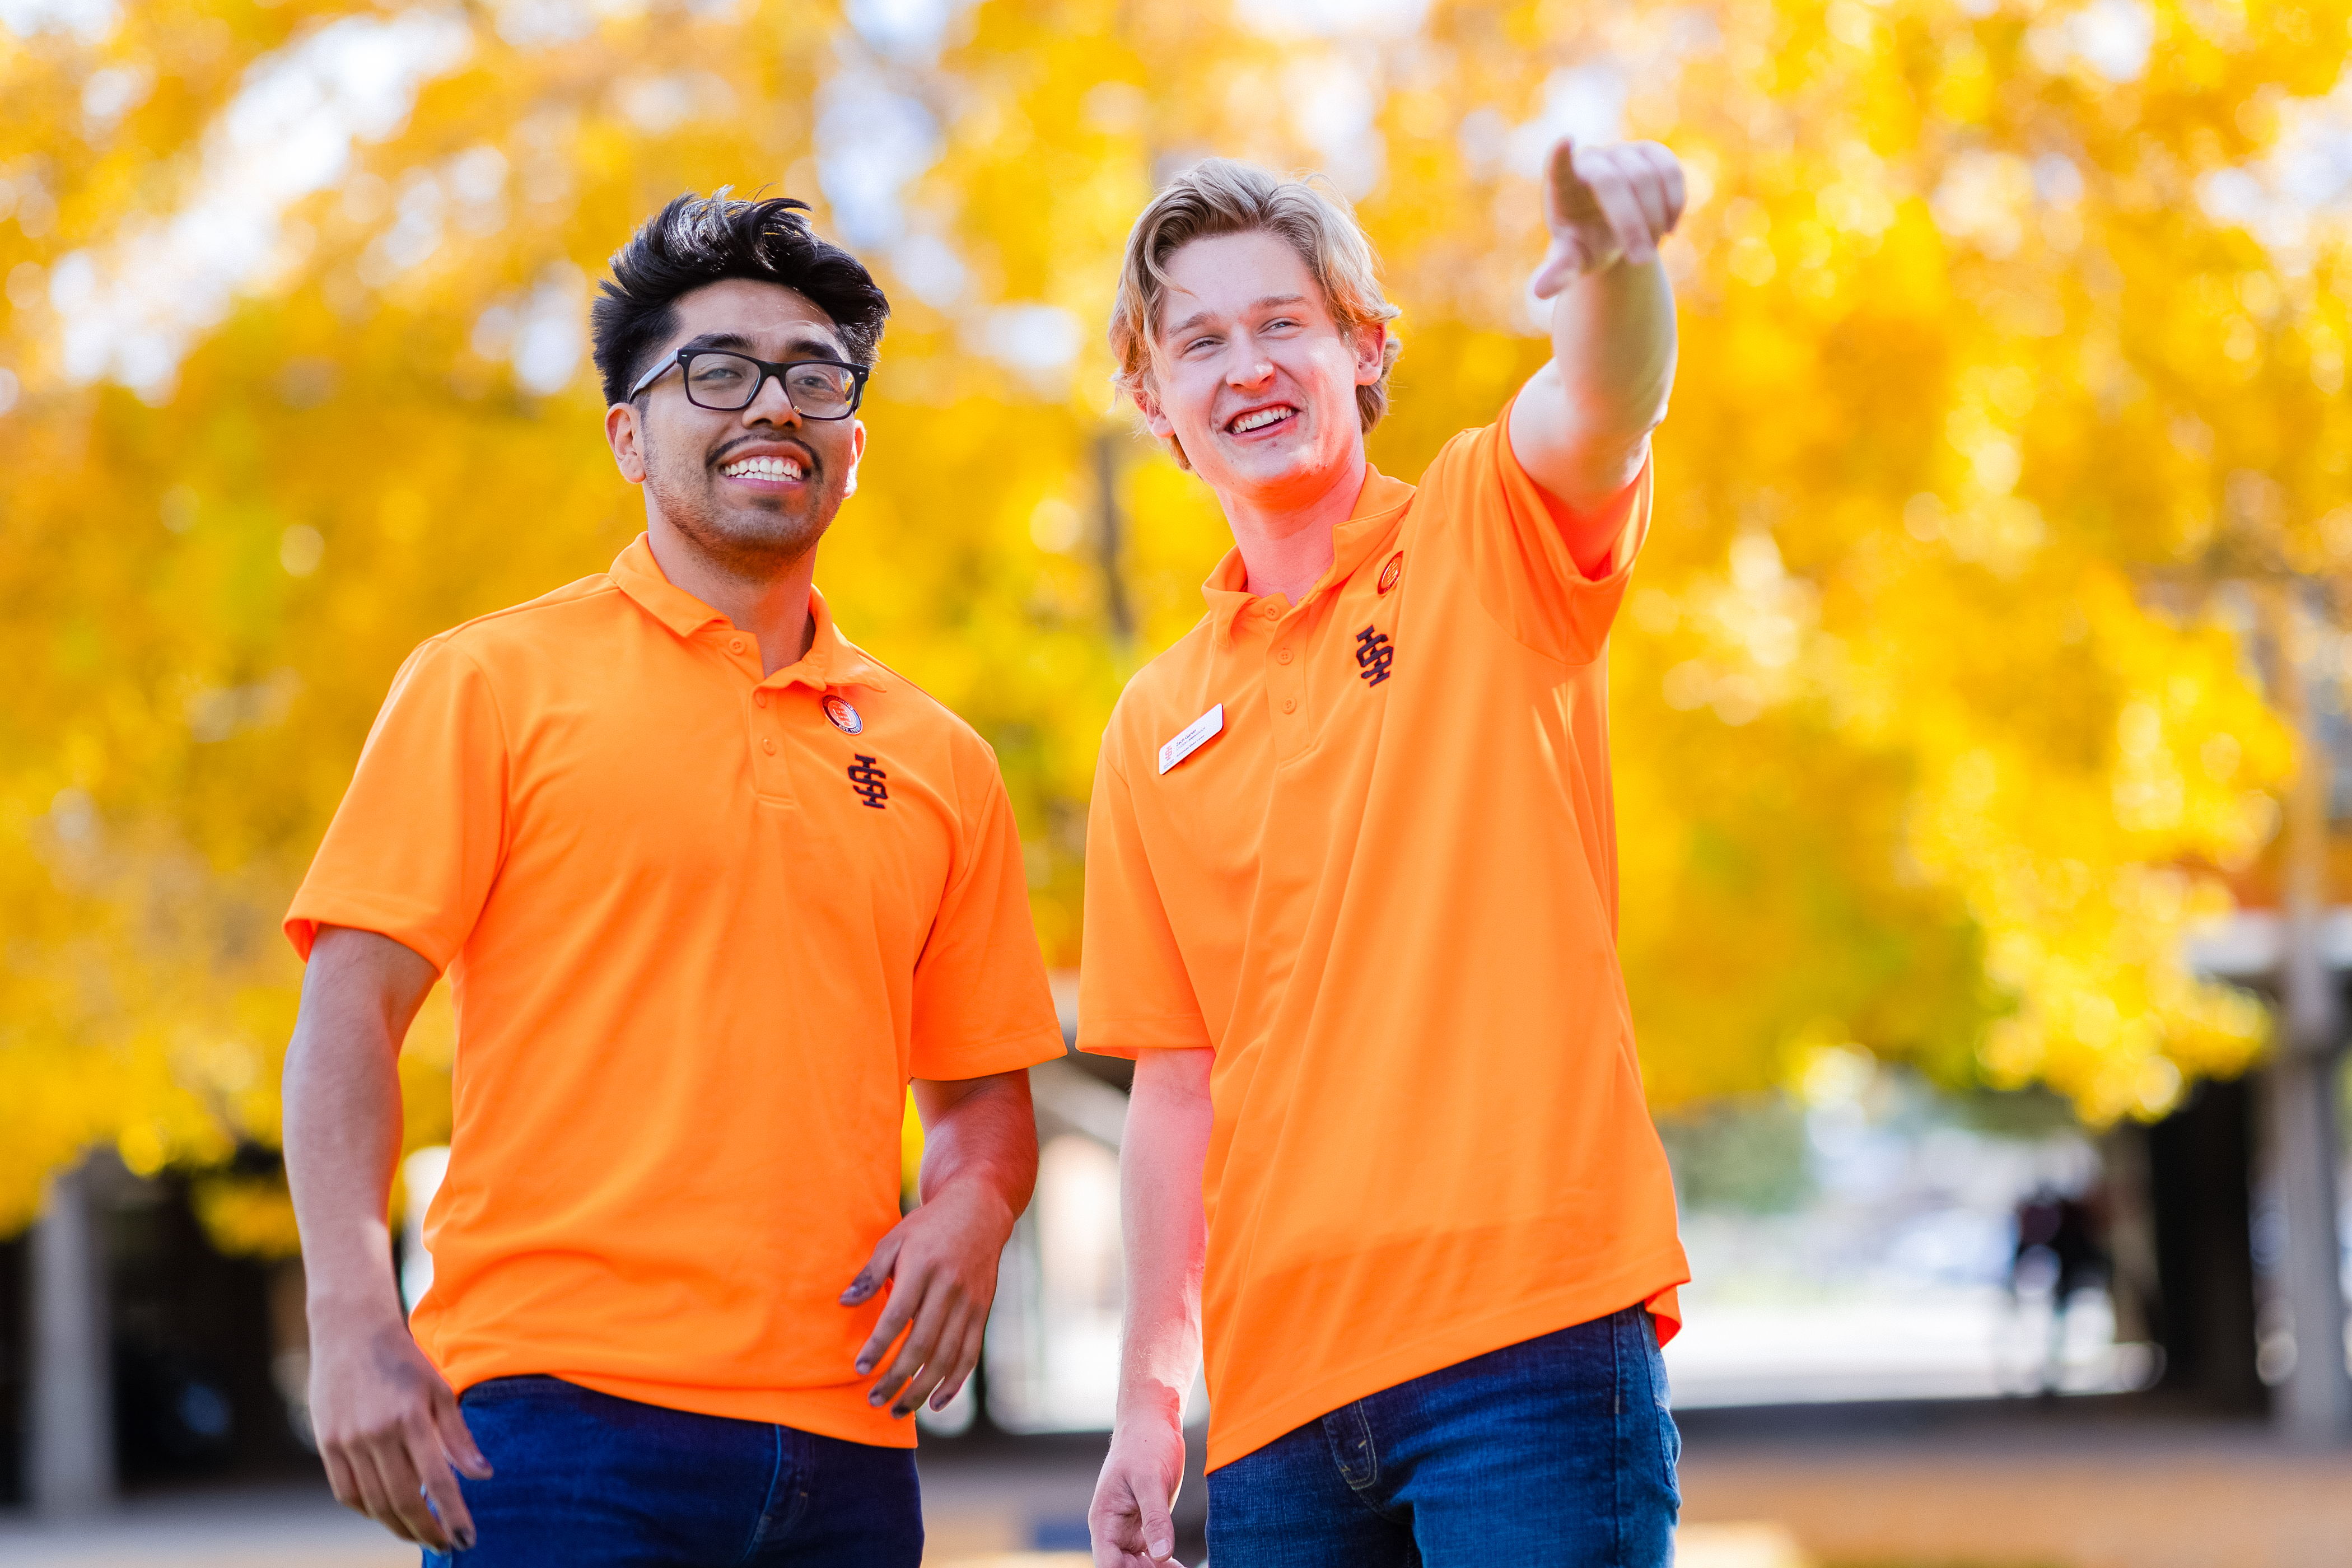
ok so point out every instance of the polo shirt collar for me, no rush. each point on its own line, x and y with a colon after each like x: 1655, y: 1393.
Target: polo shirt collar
x: 831, y: 659
x: 1353, y: 542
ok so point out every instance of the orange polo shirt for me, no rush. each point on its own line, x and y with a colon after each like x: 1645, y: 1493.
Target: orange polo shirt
x: 701, y: 927
x: 1384, y: 892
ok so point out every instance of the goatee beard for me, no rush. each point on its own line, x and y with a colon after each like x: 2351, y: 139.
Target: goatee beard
x: 750, y: 544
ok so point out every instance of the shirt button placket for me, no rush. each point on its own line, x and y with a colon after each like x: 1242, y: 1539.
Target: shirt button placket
x: 1286, y: 680
x: 771, y: 770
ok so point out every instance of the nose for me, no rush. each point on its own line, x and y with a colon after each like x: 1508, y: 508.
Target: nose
x: 1246, y: 364
x: 770, y: 406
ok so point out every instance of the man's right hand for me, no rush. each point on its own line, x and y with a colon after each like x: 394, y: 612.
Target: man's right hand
x: 390, y: 1432
x: 1129, y: 1520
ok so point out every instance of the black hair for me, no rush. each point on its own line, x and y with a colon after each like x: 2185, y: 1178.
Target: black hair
x: 697, y: 240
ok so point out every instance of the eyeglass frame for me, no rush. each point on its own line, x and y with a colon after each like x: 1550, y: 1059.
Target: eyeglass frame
x: 776, y: 368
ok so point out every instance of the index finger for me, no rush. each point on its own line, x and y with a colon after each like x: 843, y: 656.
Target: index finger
x: 1568, y: 195
x: 896, y: 1314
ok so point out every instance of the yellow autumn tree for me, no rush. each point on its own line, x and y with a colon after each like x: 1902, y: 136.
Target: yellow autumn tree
x: 1996, y: 319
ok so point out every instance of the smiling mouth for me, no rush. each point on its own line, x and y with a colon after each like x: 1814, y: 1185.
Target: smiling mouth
x: 781, y: 469
x: 1260, y: 419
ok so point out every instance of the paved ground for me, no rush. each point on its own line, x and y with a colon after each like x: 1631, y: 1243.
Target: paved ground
x: 2081, y: 1484
x: 2090, y: 1483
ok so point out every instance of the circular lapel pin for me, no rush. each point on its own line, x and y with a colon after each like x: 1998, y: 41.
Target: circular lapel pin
x: 845, y: 718
x: 1392, y: 572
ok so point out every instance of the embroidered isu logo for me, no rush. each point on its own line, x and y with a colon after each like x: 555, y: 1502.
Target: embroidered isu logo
x: 1374, y: 654
x: 845, y: 718
x: 866, y: 779
x: 1392, y: 572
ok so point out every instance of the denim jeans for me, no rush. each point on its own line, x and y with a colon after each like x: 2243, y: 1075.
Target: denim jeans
x: 1555, y: 1453
x: 588, y: 1480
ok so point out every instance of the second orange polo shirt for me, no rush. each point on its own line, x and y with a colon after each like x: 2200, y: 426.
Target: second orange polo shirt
x: 1384, y: 892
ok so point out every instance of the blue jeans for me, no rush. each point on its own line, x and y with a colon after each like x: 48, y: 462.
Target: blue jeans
x: 1555, y: 1453
x: 588, y: 1480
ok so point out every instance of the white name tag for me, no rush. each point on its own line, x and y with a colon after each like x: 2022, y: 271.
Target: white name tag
x: 1192, y: 737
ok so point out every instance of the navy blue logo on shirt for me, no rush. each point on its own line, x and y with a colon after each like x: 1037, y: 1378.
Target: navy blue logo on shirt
x: 1374, y: 654
x: 867, y: 780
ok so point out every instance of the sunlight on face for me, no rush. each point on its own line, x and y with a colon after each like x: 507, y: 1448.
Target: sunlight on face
x: 1252, y: 376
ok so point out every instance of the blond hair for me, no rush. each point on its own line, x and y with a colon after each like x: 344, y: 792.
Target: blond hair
x: 1224, y: 195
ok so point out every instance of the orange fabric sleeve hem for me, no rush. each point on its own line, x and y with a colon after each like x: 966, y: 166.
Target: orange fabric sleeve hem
x: 1007, y: 1053
x: 1630, y: 531
x: 1130, y: 1037
x: 404, y: 926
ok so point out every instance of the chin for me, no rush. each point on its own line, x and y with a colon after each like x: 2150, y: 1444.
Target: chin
x: 1282, y: 466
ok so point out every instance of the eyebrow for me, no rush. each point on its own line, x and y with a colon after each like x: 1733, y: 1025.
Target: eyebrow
x: 1264, y: 302
x: 802, y: 343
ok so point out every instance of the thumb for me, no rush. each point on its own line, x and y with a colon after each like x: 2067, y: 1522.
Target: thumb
x: 878, y: 1269
x: 1561, y: 265
x: 1158, y: 1529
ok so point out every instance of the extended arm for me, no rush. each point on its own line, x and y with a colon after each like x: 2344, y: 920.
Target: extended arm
x: 387, y: 1426
x: 1581, y: 426
x: 1167, y: 1243
x: 980, y: 1162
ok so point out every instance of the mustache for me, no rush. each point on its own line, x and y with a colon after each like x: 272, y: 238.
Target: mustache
x: 719, y: 455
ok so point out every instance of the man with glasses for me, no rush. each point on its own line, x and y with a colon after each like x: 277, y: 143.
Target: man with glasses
x: 711, y: 885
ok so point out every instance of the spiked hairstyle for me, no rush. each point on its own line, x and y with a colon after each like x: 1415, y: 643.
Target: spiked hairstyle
x: 697, y: 240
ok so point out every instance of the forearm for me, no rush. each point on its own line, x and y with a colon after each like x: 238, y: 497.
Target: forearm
x: 343, y: 1123
x: 1166, y: 1233
x: 980, y: 1140
x: 1582, y: 425
x: 1612, y: 347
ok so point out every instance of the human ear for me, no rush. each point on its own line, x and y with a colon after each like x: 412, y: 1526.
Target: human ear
x: 623, y: 435
x: 857, y: 455
x: 1371, y: 351
x: 1146, y: 402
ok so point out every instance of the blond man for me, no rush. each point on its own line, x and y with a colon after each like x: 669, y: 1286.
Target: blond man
x: 1351, y: 907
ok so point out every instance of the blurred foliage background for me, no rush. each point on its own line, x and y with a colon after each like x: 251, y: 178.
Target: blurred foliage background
x: 2014, y: 337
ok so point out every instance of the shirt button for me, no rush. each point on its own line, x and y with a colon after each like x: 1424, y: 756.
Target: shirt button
x: 734, y: 645
x: 1290, y: 705
x: 769, y: 747
x: 759, y: 699
x: 1272, y: 611
x: 1282, y: 654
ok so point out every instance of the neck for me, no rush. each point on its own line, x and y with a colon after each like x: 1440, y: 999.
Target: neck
x: 1284, y: 537
x: 771, y: 607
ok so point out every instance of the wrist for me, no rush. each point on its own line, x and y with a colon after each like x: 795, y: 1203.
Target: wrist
x: 983, y: 1194
x: 349, y: 1316
x: 1151, y: 1404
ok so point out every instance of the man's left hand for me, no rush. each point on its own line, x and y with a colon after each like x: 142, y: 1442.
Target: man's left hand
x: 1603, y: 205
x: 940, y: 1263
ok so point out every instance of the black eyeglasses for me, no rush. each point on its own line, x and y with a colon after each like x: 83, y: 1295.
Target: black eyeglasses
x: 724, y: 381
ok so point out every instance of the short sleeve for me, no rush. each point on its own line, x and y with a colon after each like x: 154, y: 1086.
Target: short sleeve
x: 1134, y: 993
x: 1508, y: 528
x: 980, y: 1003
x: 415, y: 845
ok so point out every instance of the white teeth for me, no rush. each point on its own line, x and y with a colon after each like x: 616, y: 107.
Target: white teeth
x: 1263, y: 417
x: 763, y: 468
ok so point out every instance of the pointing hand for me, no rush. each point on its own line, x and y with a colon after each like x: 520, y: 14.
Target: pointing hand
x: 1606, y: 204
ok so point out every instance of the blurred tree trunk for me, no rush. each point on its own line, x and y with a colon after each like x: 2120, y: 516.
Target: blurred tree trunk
x: 2314, y: 1401
x: 71, y: 1450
